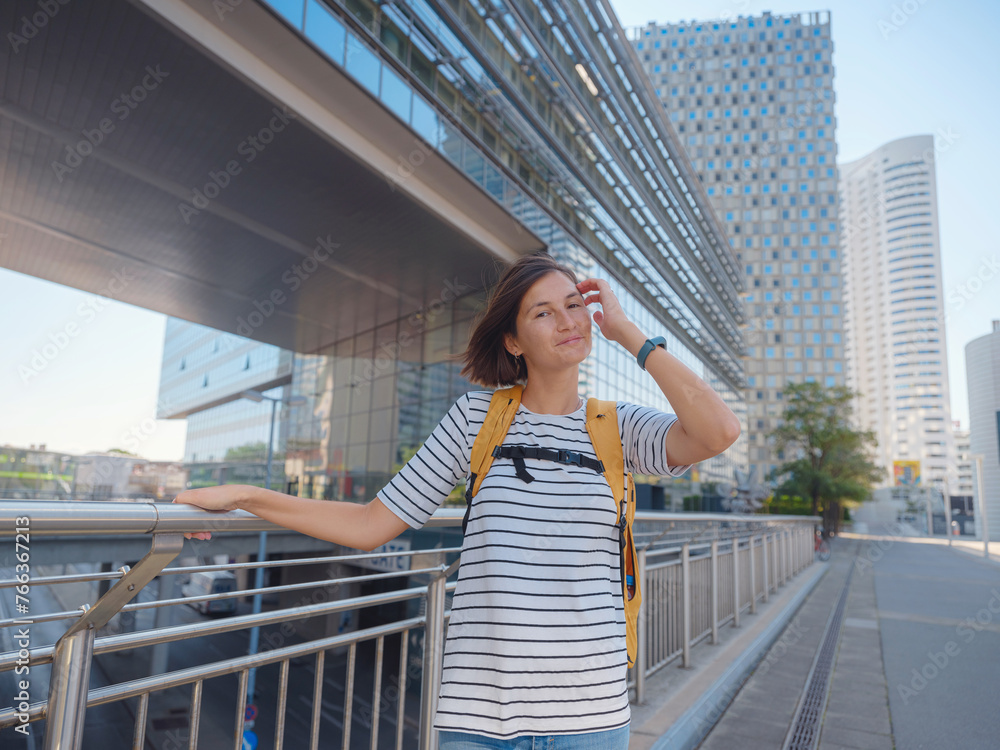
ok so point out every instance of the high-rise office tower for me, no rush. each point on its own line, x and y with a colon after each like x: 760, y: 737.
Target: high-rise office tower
x: 752, y: 101
x: 982, y: 372
x: 894, y: 310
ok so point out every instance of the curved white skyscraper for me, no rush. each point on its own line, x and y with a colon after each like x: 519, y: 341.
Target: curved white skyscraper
x: 894, y: 310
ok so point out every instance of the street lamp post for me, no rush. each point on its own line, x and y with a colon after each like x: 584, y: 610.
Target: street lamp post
x: 984, y: 529
x: 258, y: 397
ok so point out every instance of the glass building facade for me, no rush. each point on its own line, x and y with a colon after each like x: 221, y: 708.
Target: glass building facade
x: 753, y: 103
x: 202, y: 374
x: 544, y: 108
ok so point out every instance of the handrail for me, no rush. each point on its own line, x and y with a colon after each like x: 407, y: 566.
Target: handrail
x: 692, y: 558
x: 89, y: 518
x: 108, y: 644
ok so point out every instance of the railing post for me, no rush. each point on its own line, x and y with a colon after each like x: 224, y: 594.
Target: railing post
x: 765, y: 567
x: 686, y: 603
x: 642, y: 631
x: 433, y: 661
x: 753, y: 575
x: 793, y: 550
x: 68, y: 689
x: 789, y: 567
x: 69, y: 682
x: 782, y: 569
x: 789, y: 572
x: 793, y: 546
x: 736, y: 581
x: 715, y: 592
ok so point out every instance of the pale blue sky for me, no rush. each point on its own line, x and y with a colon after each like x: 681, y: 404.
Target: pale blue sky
x: 934, y: 74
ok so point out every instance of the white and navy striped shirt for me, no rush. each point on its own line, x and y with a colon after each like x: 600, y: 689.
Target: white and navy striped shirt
x: 536, y: 639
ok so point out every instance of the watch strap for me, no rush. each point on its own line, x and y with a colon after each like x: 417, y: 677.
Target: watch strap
x: 648, y: 347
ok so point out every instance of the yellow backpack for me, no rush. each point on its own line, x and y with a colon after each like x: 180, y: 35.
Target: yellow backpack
x: 602, y: 425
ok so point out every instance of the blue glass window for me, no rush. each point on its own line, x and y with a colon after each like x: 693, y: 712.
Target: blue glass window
x: 326, y: 31
x: 363, y: 64
x: 290, y: 9
x: 396, y: 94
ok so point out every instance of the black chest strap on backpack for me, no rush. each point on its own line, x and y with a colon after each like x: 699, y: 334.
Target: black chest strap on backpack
x: 520, y: 452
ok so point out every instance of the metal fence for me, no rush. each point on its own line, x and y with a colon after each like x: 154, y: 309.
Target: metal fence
x: 698, y: 572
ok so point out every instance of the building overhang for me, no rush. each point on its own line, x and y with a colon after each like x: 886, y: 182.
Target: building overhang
x: 224, y: 172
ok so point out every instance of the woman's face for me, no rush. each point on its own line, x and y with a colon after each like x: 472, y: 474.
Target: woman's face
x: 553, y: 325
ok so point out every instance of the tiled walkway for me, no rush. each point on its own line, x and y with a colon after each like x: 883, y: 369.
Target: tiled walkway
x: 915, y: 663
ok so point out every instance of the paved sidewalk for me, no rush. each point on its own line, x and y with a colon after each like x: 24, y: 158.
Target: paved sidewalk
x: 762, y: 712
x: 682, y: 704
x: 916, y: 658
x: 857, y: 710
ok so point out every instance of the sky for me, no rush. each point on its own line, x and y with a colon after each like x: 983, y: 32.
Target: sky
x: 901, y: 68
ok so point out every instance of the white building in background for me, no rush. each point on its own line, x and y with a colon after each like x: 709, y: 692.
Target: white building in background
x: 982, y: 371
x: 894, y: 310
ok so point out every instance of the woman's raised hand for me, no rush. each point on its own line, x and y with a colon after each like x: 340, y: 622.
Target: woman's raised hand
x: 222, y: 497
x: 611, y: 319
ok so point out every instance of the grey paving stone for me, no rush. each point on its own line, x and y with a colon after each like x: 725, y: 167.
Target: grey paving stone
x: 879, y: 724
x: 855, y: 738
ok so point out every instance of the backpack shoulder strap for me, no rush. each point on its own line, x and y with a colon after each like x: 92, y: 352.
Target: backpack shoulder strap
x: 499, y: 417
x: 602, y: 425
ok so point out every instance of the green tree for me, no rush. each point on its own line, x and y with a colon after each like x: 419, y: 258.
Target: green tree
x: 252, y: 453
x: 832, y: 461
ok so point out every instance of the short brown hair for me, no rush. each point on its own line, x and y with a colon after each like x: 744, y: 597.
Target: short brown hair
x: 487, y: 361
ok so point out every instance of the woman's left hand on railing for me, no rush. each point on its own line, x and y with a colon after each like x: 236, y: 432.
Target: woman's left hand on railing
x: 221, y: 497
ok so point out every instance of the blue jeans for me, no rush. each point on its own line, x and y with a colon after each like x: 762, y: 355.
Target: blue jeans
x: 611, y: 739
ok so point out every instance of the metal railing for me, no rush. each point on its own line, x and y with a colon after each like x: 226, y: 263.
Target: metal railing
x: 698, y: 572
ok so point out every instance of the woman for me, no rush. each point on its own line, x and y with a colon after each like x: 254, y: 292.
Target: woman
x: 535, y: 647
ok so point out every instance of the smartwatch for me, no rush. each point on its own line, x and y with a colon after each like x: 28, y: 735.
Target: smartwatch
x: 647, y: 348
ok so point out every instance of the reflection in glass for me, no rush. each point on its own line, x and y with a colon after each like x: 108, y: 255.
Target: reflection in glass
x: 362, y: 63
x: 290, y: 9
x: 326, y: 31
x: 396, y: 95
x: 425, y: 121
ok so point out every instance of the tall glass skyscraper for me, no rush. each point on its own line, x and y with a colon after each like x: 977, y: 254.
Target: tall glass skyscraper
x: 542, y: 108
x: 895, y: 312
x: 753, y: 104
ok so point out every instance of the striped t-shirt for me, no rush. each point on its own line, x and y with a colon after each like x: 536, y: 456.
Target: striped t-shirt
x: 536, y: 639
